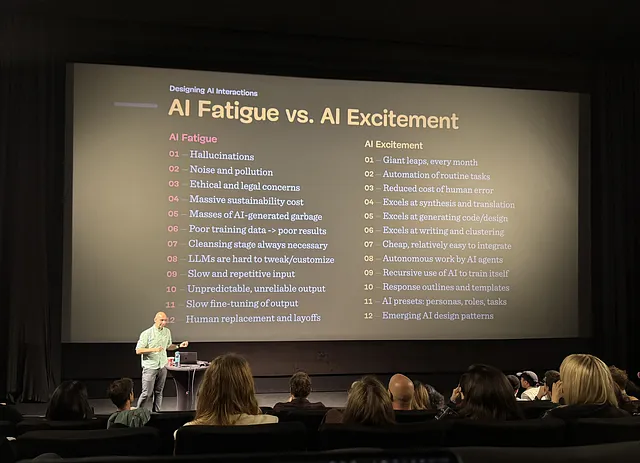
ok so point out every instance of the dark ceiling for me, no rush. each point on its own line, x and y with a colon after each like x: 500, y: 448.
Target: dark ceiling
x: 560, y: 25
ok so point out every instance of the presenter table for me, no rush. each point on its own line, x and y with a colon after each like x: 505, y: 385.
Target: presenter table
x: 187, y: 380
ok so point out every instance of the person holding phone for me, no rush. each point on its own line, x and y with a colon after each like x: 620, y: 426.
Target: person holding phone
x: 546, y: 388
x: 153, y: 344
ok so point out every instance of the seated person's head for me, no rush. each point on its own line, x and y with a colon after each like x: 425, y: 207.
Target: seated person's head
x: 300, y: 385
x: 420, y: 397
x: 528, y: 379
x: 69, y: 402
x: 227, y: 390
x: 354, y: 384
x: 586, y: 380
x: 368, y: 404
x: 515, y: 383
x: 550, y: 378
x: 121, y: 393
x: 401, y: 390
x: 487, y: 394
x: 435, y: 398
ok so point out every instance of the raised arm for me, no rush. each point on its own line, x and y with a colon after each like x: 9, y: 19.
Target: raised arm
x: 183, y: 344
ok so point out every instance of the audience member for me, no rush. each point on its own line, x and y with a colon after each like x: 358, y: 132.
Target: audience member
x: 9, y: 413
x: 227, y: 395
x: 299, y: 388
x: 621, y: 380
x: 626, y: 402
x: 121, y: 394
x: 436, y: 399
x: 369, y: 404
x: 587, y: 388
x: 401, y: 390
x: 486, y: 394
x: 529, y: 382
x: 69, y: 402
x: 515, y: 383
x: 334, y: 415
x: 420, y: 397
x: 632, y: 389
x: 544, y: 391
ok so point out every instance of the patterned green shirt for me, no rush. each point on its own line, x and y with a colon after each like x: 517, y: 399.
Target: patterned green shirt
x: 154, y: 337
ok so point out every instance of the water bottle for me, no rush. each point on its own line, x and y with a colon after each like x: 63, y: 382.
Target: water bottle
x: 176, y: 360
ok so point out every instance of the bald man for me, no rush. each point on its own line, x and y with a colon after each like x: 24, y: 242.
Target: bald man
x: 401, y: 390
x: 152, y: 346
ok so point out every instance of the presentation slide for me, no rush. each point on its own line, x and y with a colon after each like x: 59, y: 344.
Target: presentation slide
x: 266, y: 208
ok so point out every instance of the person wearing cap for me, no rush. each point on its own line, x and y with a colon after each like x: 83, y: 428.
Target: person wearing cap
x: 529, y: 382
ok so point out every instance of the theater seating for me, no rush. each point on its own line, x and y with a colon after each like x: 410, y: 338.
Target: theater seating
x: 40, y: 424
x: 311, y: 418
x: 351, y: 455
x: 526, y: 433
x: 413, y: 435
x: 292, y: 436
x: 279, y: 437
x: 7, y: 429
x: 588, y: 431
x: 74, y: 443
x: 535, y: 409
x: 415, y: 416
x: 166, y: 423
x: 609, y: 453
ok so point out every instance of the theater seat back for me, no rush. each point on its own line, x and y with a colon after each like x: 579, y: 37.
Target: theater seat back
x: 414, y: 416
x: 588, y: 431
x: 278, y: 437
x: 75, y: 444
x: 40, y: 424
x: 7, y: 429
x: 311, y: 418
x: 167, y: 423
x: 399, y: 436
x: 534, y: 409
x: 546, y: 432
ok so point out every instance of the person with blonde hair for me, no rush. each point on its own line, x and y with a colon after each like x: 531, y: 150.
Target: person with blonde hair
x: 335, y: 415
x: 369, y: 404
x: 421, y: 399
x: 587, y: 388
x: 227, y: 395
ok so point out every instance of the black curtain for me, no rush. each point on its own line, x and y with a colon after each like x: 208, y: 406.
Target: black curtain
x: 616, y: 212
x: 31, y: 199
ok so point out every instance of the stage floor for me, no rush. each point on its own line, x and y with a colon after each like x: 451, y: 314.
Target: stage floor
x: 104, y: 406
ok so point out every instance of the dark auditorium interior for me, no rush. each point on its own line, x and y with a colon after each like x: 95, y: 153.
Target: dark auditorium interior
x: 590, y: 47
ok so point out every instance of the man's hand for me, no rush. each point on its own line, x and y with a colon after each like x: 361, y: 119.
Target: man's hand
x: 184, y: 344
x: 158, y: 349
